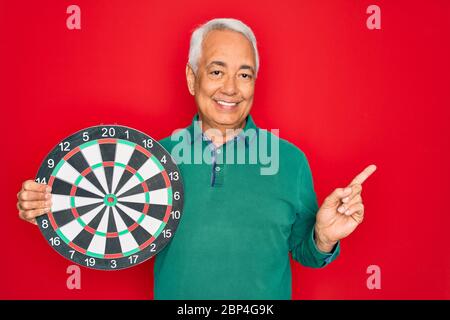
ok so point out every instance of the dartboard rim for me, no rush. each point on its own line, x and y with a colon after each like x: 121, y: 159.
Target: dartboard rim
x: 156, y: 151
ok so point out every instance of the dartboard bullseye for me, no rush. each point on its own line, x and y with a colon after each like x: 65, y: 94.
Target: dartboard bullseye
x: 117, y: 197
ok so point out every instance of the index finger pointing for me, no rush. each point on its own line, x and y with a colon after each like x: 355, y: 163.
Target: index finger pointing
x: 360, y: 178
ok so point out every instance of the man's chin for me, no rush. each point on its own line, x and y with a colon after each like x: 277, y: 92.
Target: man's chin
x: 225, y: 119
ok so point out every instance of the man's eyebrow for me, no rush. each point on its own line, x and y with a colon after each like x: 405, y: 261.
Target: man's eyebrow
x: 219, y: 63
x: 245, y: 66
x: 223, y: 64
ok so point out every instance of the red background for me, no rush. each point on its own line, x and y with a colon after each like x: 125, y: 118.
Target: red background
x: 346, y: 95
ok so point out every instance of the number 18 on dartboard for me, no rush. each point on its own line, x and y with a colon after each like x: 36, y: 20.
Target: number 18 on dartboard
x: 117, y: 197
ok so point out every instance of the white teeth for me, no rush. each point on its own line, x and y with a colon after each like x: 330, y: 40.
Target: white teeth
x: 227, y: 104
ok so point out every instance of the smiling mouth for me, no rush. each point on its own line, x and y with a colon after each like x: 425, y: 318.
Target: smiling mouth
x: 226, y: 104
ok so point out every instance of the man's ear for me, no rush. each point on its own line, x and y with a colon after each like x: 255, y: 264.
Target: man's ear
x: 190, y: 78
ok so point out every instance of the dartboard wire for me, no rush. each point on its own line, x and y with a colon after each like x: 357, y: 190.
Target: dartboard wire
x: 126, y: 238
x: 136, y: 152
x: 120, y: 224
x: 148, y: 170
x: 105, y: 147
x: 66, y: 172
x: 92, y: 154
x: 63, y: 202
x: 83, y: 224
x: 102, y: 173
x: 150, y: 197
x: 131, y: 248
x: 60, y: 202
x: 72, y: 172
x: 110, y: 173
x: 86, y: 171
x: 143, y: 219
x: 95, y: 248
x: 150, y: 165
x: 144, y: 186
x: 140, y: 231
x: 146, y: 243
x: 83, y: 175
x: 73, y: 214
x: 102, y: 228
x: 159, y: 196
x: 126, y: 234
x: 166, y: 215
x: 87, y: 249
x: 71, y: 230
x: 150, y: 224
x: 124, y: 151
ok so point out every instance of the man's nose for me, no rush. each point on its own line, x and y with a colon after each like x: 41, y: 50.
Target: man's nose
x: 229, y: 86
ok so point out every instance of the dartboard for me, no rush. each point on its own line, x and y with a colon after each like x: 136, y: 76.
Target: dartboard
x: 117, y: 197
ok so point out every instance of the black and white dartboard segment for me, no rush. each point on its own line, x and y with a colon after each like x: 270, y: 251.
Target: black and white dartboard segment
x: 117, y: 197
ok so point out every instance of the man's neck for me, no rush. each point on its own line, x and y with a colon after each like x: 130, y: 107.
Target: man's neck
x: 220, y: 134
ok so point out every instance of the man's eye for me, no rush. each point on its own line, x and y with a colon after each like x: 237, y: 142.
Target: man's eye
x: 216, y: 73
x: 246, y: 76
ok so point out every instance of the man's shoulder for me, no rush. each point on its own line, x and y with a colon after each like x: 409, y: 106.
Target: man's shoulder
x: 166, y: 142
x: 170, y: 141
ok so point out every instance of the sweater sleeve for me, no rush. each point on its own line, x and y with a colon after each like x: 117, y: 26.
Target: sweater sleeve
x: 301, y: 241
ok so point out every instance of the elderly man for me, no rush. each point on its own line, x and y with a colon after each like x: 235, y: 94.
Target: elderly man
x: 238, y: 225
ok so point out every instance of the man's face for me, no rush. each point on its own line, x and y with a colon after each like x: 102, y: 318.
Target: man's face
x: 225, y: 81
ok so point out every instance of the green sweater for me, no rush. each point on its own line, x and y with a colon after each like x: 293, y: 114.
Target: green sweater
x: 238, y: 225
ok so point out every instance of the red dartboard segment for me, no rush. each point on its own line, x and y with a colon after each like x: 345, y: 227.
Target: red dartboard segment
x: 86, y: 171
x: 112, y: 197
x: 167, y: 215
x: 74, y: 213
x: 130, y: 169
x: 103, y: 141
x: 89, y: 229
x: 133, y: 227
x: 77, y: 248
x: 73, y: 191
x: 112, y: 234
x: 52, y: 220
x: 147, y: 243
x: 113, y: 256
x: 166, y: 178
x: 50, y: 181
x: 71, y: 153
x: 144, y: 186
x: 144, y: 151
x: 145, y: 210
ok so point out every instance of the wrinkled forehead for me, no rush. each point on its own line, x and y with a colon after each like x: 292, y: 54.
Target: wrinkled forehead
x: 228, y: 48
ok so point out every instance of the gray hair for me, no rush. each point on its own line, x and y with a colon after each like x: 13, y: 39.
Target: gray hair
x: 195, y: 49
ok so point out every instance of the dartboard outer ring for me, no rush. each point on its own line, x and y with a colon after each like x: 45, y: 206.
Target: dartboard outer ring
x: 117, y: 197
